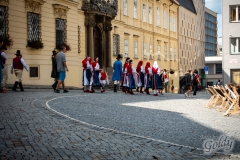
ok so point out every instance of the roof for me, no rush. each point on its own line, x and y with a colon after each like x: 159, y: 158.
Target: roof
x: 188, y: 4
x: 175, y: 1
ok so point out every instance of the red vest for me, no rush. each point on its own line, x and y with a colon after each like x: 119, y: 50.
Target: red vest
x: 17, y: 64
x: 103, y: 75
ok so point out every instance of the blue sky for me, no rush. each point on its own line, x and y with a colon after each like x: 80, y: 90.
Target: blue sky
x: 216, y: 6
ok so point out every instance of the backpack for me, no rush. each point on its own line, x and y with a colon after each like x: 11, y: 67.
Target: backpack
x: 186, y: 81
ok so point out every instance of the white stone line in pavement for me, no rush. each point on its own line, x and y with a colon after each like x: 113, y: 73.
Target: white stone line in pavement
x: 93, y: 125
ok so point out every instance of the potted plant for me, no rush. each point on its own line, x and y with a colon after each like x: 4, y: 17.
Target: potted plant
x: 58, y: 46
x: 7, y: 41
x: 36, y: 44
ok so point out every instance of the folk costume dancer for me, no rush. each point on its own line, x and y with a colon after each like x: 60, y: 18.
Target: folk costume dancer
x: 84, y: 61
x: 96, y: 67
x: 17, y: 65
x: 155, y: 78
x: 148, y: 78
x: 161, y: 82
x: 103, y: 79
x: 117, y: 71
x: 140, y: 70
x: 132, y: 77
x: 124, y: 75
x: 4, y: 70
x: 54, y: 73
x: 88, y: 76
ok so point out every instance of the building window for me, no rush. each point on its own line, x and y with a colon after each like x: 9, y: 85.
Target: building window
x: 234, y: 13
x: 235, y: 45
x: 164, y: 19
x: 150, y: 15
x: 158, y: 17
x: 144, y: 50
x: 125, y: 7
x: 115, y: 44
x: 33, y: 72
x: 174, y: 24
x: 60, y: 31
x: 135, y: 49
x: 3, y: 23
x: 218, y: 68
x: 144, y: 12
x: 159, y: 53
x: 33, y: 26
x: 126, y: 47
x: 170, y: 54
x: 170, y: 23
x: 135, y: 9
x: 235, y: 77
x: 165, y: 52
x: 151, y: 51
x: 175, y: 54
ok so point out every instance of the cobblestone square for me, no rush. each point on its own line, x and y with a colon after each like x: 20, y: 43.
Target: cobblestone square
x: 40, y: 124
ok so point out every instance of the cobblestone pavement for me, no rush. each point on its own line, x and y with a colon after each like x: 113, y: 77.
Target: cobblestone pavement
x: 131, y: 127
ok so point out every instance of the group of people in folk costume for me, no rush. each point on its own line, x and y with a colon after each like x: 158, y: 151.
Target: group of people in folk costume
x: 129, y: 76
x: 93, y: 74
x: 143, y: 77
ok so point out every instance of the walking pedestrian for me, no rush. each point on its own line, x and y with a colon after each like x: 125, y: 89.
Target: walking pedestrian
x: 54, y: 73
x: 61, y: 68
x: 165, y: 76
x: 17, y: 65
x: 131, y: 71
x: 125, y: 81
x: 188, y: 82
x: 140, y: 73
x: 96, y: 67
x: 4, y: 70
x: 117, y: 71
x: 1, y: 67
x: 155, y: 78
x: 148, y: 78
x: 161, y: 82
x: 196, y: 82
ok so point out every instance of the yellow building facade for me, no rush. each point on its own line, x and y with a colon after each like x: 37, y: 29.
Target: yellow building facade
x: 140, y: 29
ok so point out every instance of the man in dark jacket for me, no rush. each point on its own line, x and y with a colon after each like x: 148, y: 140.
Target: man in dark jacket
x: 188, y: 81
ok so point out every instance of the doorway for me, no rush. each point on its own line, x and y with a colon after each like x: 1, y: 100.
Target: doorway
x: 97, y: 41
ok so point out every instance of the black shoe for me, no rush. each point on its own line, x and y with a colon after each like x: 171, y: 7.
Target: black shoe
x: 15, y: 86
x: 65, y: 91
x: 57, y: 91
x: 21, y: 87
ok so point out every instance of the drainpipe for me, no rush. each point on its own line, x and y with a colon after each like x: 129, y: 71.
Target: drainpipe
x: 169, y: 82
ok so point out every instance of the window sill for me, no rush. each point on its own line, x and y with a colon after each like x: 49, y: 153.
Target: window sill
x: 136, y: 58
x: 234, y: 53
x: 235, y: 21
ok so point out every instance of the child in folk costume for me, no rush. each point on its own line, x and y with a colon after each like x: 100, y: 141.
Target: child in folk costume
x: 88, y: 79
x: 125, y: 76
x: 132, y: 75
x: 140, y: 76
x: 96, y: 68
x: 103, y: 78
x: 165, y: 80
x: 155, y: 78
x: 148, y: 77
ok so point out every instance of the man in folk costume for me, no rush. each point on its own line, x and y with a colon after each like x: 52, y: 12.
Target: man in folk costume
x: 88, y: 78
x: 140, y: 76
x: 155, y: 78
x: 148, y: 77
x: 117, y: 71
x: 165, y: 76
x: 132, y: 75
x: 103, y: 79
x: 96, y: 67
x: 17, y: 64
x: 124, y: 75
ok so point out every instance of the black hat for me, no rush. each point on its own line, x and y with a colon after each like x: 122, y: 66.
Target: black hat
x: 3, y: 47
x: 54, y: 52
x: 18, y: 53
x: 119, y: 56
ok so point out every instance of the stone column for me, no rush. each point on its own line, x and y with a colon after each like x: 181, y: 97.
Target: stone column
x: 108, y: 28
x: 90, y: 23
x: 90, y: 41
